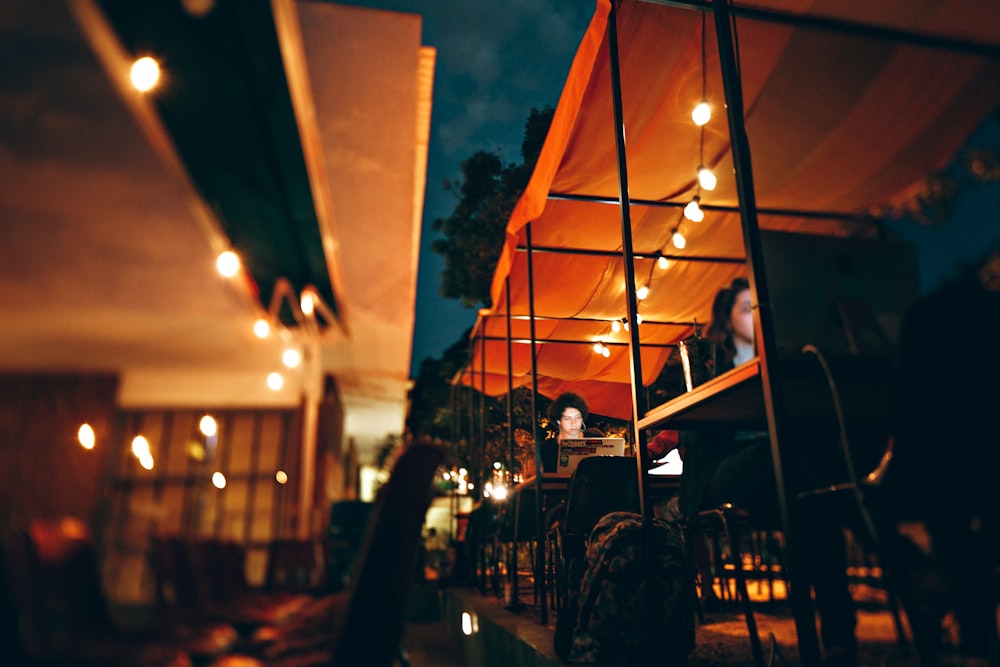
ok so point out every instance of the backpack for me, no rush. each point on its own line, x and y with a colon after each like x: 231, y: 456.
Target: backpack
x: 622, y: 613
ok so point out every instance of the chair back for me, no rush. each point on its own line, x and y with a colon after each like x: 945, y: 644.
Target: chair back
x: 386, y: 566
x: 600, y: 484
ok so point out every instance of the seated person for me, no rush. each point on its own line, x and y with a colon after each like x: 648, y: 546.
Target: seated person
x: 567, y: 415
x: 723, y: 465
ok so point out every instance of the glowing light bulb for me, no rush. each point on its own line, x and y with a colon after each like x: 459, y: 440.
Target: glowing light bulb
x: 616, y: 326
x: 218, y: 480
x: 140, y: 446
x: 291, y: 358
x: 693, y: 211
x: 642, y: 292
x: 706, y: 179
x: 606, y: 352
x: 597, y: 347
x: 228, y: 263
x: 638, y: 318
x: 261, y: 328
x: 662, y: 263
x: 208, y: 426
x: 281, y: 477
x: 702, y: 113
x: 275, y: 381
x: 86, y: 436
x: 306, y: 303
x: 144, y: 74
x: 678, y: 240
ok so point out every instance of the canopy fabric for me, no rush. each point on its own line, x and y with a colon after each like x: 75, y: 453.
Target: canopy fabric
x: 842, y: 127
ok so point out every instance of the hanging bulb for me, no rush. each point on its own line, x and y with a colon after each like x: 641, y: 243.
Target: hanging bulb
x: 678, y: 239
x: 638, y: 318
x: 606, y: 352
x: 706, y: 179
x: 616, y: 326
x: 597, y: 347
x: 662, y: 263
x: 702, y: 113
x: 693, y: 211
x: 642, y: 292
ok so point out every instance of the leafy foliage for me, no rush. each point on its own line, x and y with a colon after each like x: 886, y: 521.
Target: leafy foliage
x: 473, y: 235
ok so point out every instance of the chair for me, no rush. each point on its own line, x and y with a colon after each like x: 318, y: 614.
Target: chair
x: 855, y: 495
x: 600, y: 485
x: 731, y: 522
x: 340, y: 626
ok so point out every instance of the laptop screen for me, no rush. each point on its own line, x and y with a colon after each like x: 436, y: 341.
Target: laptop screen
x: 572, y: 450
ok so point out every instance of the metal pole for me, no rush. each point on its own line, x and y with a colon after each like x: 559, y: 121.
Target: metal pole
x: 805, y: 622
x: 639, y: 406
x: 539, y: 508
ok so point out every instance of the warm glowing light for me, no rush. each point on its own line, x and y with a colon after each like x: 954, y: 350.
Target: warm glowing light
x: 208, y: 426
x: 662, y: 263
x: 693, y: 211
x: 86, y: 436
x: 706, y: 179
x: 678, y: 240
x: 196, y: 450
x: 616, y: 326
x: 228, y: 263
x: 500, y: 492
x: 642, y: 292
x: 306, y: 303
x: 145, y: 74
x: 497, y: 465
x: 606, y: 352
x: 597, y: 347
x: 470, y: 623
x: 291, y: 358
x: 198, y: 8
x: 702, y: 113
x: 218, y: 480
x: 261, y: 328
x: 281, y: 477
x: 140, y: 446
x: 146, y: 461
x: 638, y: 318
x: 275, y: 382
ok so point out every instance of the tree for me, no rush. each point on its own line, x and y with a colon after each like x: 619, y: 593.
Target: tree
x: 474, y: 232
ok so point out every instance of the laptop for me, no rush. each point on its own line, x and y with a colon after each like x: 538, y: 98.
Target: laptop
x: 573, y: 450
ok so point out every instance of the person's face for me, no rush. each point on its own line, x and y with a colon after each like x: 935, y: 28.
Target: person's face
x: 570, y: 423
x: 741, y: 318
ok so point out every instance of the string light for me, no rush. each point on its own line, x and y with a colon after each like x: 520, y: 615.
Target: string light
x: 706, y: 179
x: 291, y: 358
x: 662, y: 263
x: 702, y: 113
x: 144, y: 74
x: 642, y: 292
x: 616, y: 326
x: 602, y: 349
x: 228, y: 263
x: 693, y: 211
x: 261, y: 328
x: 678, y: 239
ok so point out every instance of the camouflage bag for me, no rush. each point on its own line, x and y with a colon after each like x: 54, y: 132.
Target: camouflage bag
x: 627, y: 613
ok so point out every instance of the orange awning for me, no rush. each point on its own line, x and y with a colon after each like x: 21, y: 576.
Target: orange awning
x: 842, y: 125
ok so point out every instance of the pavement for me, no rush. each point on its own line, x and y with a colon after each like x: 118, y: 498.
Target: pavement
x: 721, y: 640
